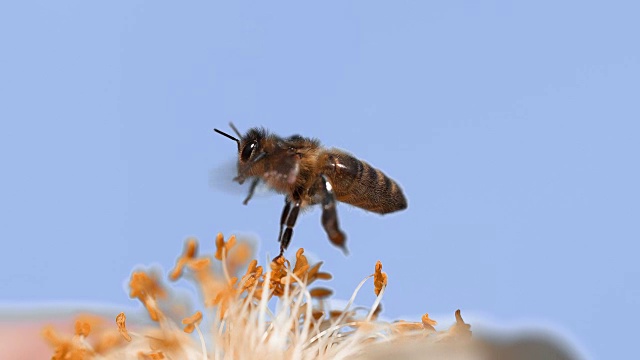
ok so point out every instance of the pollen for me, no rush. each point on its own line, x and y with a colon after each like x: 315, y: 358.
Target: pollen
x: 428, y: 323
x: 222, y: 246
x: 151, y: 356
x: 191, y: 322
x: 278, y: 272
x: 82, y: 328
x: 460, y: 329
x: 320, y: 293
x: 407, y: 326
x: 191, y: 248
x: 199, y: 264
x: 252, y: 276
x: 145, y: 286
x: 122, y: 326
x: 301, y: 260
x: 379, y: 278
x: 225, y: 297
x: 51, y: 336
x: 147, y: 289
x: 315, y: 274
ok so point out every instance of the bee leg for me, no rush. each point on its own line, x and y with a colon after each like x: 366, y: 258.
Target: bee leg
x: 288, y: 231
x: 330, y: 216
x: 283, y: 217
x: 252, y: 188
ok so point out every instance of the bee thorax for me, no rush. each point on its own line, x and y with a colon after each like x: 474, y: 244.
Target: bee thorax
x: 281, y: 182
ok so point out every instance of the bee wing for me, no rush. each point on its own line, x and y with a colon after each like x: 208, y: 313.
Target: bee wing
x: 221, y: 179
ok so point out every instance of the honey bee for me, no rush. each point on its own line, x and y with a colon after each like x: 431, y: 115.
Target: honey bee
x: 308, y: 174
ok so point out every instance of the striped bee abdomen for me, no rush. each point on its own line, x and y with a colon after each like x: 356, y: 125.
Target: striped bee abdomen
x: 357, y: 183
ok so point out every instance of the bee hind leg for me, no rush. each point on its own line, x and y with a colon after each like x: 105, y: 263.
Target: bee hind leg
x: 330, y: 216
x: 289, y: 222
x: 283, y: 217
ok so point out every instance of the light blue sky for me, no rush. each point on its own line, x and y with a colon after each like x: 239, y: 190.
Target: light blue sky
x: 513, y: 129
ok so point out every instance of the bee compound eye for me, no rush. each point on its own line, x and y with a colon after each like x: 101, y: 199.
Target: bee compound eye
x: 247, y: 151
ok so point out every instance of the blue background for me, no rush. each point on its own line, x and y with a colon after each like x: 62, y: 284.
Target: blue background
x: 512, y: 128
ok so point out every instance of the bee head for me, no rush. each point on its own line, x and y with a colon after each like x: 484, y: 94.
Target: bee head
x: 250, y: 149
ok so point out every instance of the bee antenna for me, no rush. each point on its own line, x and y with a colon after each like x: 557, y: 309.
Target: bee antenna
x: 235, y: 129
x: 227, y: 135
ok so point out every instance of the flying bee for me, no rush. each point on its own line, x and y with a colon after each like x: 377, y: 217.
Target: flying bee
x: 309, y: 174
